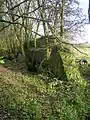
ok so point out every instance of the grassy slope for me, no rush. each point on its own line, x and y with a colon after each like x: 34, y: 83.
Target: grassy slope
x: 15, y: 87
x: 84, y: 48
x: 18, y: 89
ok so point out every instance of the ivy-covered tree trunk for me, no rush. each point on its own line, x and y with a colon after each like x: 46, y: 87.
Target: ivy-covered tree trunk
x: 62, y: 34
x: 43, y: 17
x: 62, y: 19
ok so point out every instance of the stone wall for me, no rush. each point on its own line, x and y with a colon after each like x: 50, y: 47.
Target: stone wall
x: 56, y: 63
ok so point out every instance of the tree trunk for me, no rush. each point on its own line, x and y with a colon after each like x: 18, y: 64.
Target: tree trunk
x: 62, y: 19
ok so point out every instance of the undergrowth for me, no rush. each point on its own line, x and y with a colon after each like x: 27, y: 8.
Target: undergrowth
x: 29, y: 97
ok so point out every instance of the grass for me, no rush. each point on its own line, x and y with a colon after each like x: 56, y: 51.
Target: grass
x: 17, y: 89
x: 28, y: 96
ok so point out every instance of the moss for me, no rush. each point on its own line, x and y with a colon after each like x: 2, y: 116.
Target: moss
x: 70, y: 67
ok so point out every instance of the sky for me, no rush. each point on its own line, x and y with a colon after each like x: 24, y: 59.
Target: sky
x: 84, y: 6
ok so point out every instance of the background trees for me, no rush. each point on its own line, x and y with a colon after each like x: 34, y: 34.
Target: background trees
x: 26, y: 20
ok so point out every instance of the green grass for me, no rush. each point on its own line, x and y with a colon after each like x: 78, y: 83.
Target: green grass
x: 27, y: 96
x: 83, y: 51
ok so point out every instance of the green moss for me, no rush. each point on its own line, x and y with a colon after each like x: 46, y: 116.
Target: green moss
x: 70, y: 67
